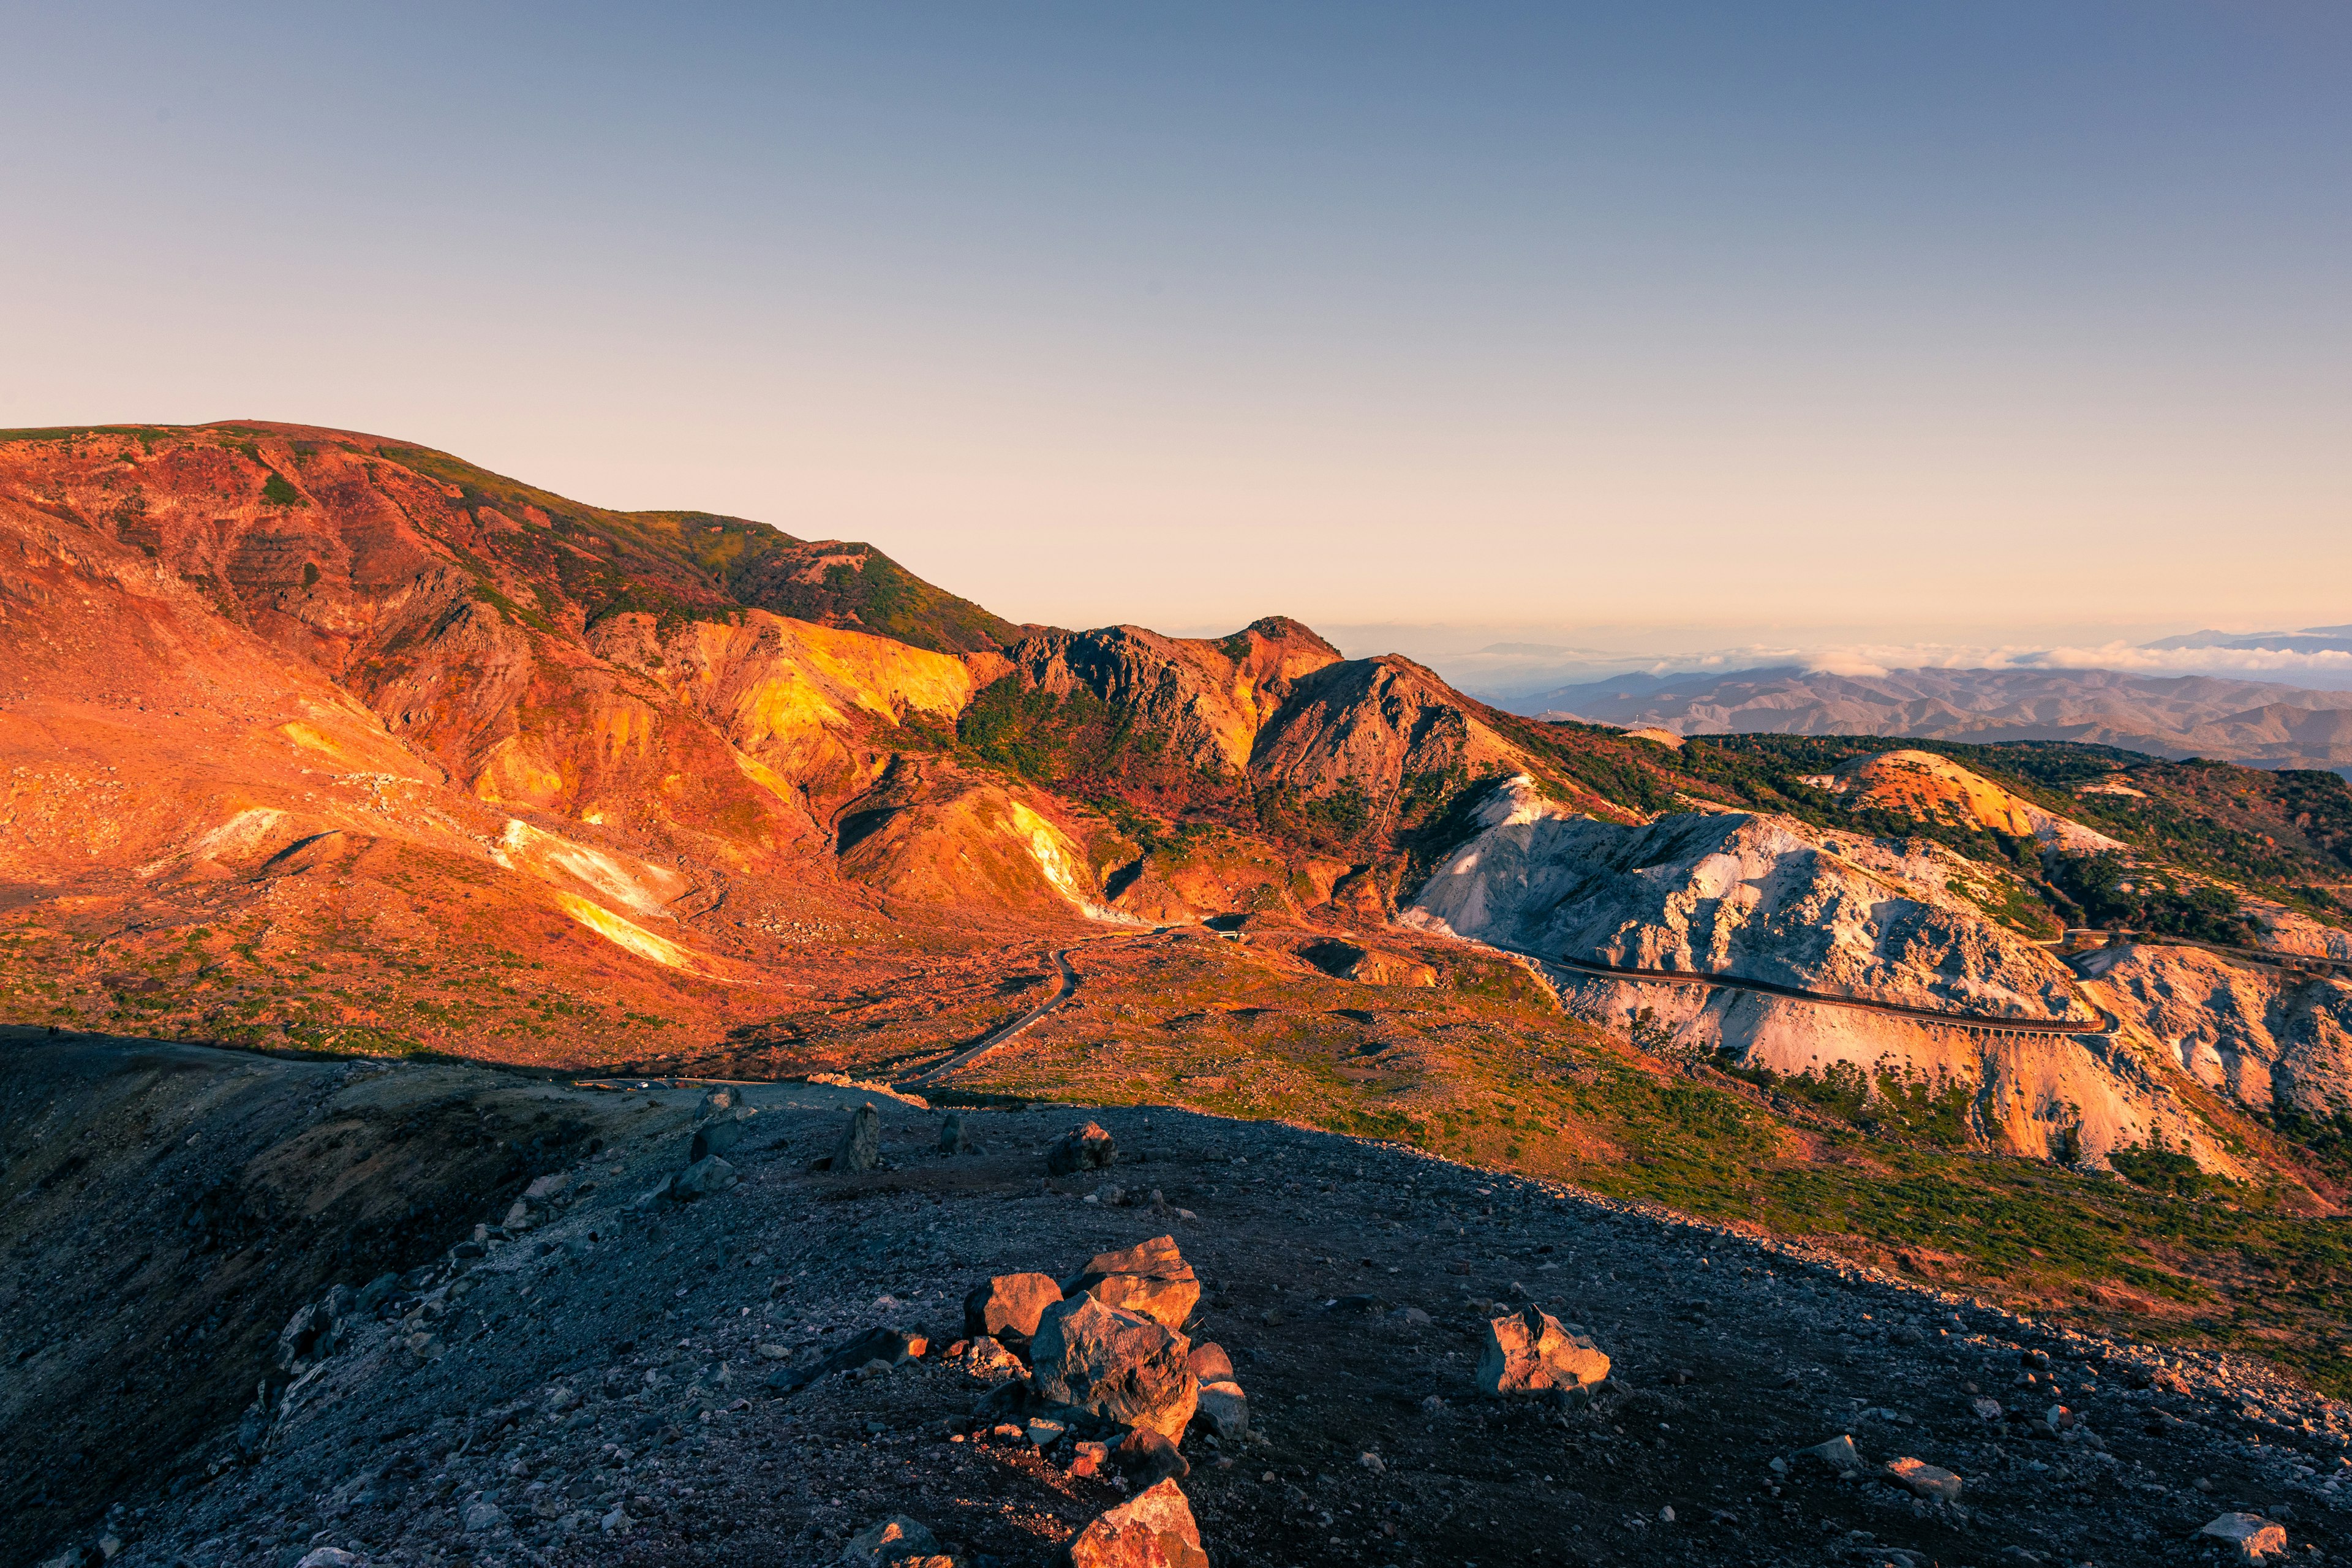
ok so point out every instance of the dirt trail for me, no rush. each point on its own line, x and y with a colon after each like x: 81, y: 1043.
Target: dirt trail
x: 609, y: 1360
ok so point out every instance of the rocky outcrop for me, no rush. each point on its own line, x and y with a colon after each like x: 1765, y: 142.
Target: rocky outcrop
x: 1150, y: 1278
x: 1007, y: 1307
x: 1204, y: 702
x: 1153, y: 1530
x: 2262, y: 1035
x: 1376, y: 724
x: 1828, y: 914
x: 1759, y: 898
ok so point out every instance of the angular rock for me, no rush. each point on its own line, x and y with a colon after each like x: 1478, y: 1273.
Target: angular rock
x: 860, y: 1148
x: 1150, y: 1278
x: 1838, y: 1454
x: 331, y: 1557
x: 1088, y: 1458
x: 702, y: 1179
x: 1152, y: 1529
x: 1925, y: 1479
x: 1113, y: 1362
x: 1007, y: 1307
x: 1527, y: 1351
x: 483, y: 1516
x: 952, y: 1138
x: 1987, y: 1409
x: 982, y: 1357
x: 312, y: 1333
x: 888, y: 1542
x: 1210, y: 1362
x: 1085, y: 1148
x: 718, y: 1136
x: 375, y: 1293
x: 1225, y: 1409
x: 2253, y: 1537
x: 1145, y: 1458
x: 542, y: 1190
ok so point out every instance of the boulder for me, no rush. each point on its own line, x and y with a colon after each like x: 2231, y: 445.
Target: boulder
x: 375, y: 1294
x: 952, y: 1139
x: 542, y: 1190
x: 1924, y: 1481
x: 1006, y: 1308
x: 1145, y: 1458
x: 1150, y: 1278
x: 1209, y: 1364
x: 1086, y: 1148
x: 1838, y: 1455
x: 1527, y: 1351
x: 718, y: 1136
x: 860, y: 1148
x: 483, y: 1516
x: 2250, y: 1535
x: 889, y: 1541
x: 1113, y: 1362
x: 701, y: 1179
x: 314, y: 1331
x: 1225, y: 1409
x: 1151, y: 1530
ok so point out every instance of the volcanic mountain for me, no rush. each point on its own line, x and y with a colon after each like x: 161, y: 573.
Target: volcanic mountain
x: 322, y: 740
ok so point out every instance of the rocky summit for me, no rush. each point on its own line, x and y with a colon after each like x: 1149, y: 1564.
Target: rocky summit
x: 787, y: 1370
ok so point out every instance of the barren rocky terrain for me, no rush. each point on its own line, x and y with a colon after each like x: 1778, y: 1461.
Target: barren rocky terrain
x: 545, y: 1365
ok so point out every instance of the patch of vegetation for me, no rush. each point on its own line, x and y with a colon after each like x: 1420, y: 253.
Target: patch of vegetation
x: 276, y: 491
x: 2114, y: 894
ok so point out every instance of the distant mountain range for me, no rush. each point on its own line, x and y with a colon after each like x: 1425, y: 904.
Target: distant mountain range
x: 2259, y: 723
x: 2311, y: 640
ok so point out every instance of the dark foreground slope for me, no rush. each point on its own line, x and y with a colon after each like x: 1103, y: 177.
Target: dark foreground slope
x: 608, y: 1361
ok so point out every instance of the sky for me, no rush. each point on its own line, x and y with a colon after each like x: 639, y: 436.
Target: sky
x: 1623, y: 328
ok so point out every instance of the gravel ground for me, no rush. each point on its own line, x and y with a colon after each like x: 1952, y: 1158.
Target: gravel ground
x: 608, y: 1364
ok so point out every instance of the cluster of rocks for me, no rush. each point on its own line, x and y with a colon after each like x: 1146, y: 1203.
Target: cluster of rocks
x: 720, y: 1126
x: 1095, y: 1373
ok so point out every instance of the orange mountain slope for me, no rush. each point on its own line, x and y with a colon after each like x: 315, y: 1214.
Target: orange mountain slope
x: 314, y: 735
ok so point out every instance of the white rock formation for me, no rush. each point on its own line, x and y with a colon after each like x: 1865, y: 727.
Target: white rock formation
x: 2260, y: 1036
x: 1764, y: 898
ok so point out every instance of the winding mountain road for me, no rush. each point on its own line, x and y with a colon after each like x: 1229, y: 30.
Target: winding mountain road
x: 999, y: 1034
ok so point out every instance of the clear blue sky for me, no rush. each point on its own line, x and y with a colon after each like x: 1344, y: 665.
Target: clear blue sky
x: 1785, y: 320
